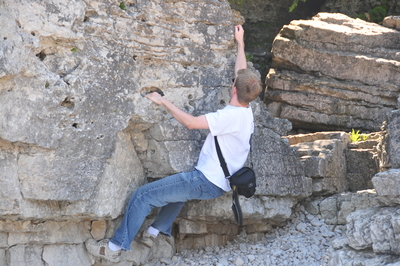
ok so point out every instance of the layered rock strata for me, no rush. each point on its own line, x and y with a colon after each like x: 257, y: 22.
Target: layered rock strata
x: 362, y: 158
x: 334, y: 72
x: 334, y: 163
x: 322, y: 155
x: 373, y: 232
x: 77, y: 138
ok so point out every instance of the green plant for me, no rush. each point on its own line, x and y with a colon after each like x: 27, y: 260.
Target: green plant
x: 365, y: 136
x: 376, y: 14
x: 122, y: 6
x: 249, y: 57
x: 236, y: 2
x: 74, y: 50
x: 294, y: 5
x: 357, y: 136
x: 354, y: 135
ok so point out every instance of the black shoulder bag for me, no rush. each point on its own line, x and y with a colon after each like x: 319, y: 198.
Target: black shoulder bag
x: 243, y: 182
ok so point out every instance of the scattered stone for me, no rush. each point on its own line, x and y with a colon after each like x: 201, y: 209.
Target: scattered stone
x: 166, y: 261
x: 239, y: 262
x: 223, y: 261
x: 301, y: 227
x: 339, y: 243
x: 251, y: 257
x: 316, y: 222
x: 243, y: 247
x: 298, y: 243
x: 209, y: 249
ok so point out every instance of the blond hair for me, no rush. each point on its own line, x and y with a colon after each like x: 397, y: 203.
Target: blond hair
x: 248, y: 86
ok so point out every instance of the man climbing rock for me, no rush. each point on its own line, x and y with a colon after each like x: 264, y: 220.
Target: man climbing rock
x: 233, y: 125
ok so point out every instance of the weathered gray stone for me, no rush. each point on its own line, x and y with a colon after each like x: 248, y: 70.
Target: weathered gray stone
x: 163, y: 248
x: 339, y: 243
x: 77, y: 138
x: 347, y: 256
x: 3, y: 240
x: 362, y: 165
x: 376, y: 228
x: 9, y: 192
x: 3, y: 257
x: 350, y: 202
x: 278, y: 169
x: 387, y: 183
x: 25, y: 255
x: 57, y: 255
x: 358, y: 230
x: 334, y: 72
x: 323, y: 159
x: 387, y: 187
x: 271, y: 209
x: 393, y: 130
x: 49, y: 232
x: 328, y: 209
x: 336, y: 208
x: 191, y: 227
x: 71, y: 85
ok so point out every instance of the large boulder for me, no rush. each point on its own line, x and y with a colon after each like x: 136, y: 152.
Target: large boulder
x: 77, y: 138
x: 323, y: 157
x: 335, y: 209
x: 74, y: 127
x: 334, y: 72
x: 376, y: 228
x: 387, y: 186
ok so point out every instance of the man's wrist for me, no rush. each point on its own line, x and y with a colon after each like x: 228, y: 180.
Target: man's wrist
x: 163, y: 102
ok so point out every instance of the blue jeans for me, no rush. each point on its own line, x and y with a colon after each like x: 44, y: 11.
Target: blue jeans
x: 170, y: 193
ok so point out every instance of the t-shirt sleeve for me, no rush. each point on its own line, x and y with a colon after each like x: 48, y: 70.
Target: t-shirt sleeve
x: 223, y: 122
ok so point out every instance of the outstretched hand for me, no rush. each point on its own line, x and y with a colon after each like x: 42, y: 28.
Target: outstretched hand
x: 239, y: 33
x: 155, y: 97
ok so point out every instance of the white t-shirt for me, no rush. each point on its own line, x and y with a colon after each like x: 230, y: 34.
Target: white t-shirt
x: 233, y: 126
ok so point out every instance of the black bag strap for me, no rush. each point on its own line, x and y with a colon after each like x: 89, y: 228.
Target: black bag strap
x: 236, y: 208
x: 221, y: 158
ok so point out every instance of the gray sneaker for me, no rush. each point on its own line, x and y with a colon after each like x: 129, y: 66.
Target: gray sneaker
x: 147, y: 239
x: 100, y: 249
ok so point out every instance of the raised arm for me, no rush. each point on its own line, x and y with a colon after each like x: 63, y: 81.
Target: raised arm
x: 241, y: 56
x: 188, y: 120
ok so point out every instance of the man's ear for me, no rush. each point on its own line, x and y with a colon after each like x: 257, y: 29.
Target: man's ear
x: 234, y: 90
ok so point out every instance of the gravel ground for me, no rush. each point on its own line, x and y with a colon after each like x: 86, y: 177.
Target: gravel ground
x: 304, y: 241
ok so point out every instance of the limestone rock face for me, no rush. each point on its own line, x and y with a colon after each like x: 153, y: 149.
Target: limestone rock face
x: 335, y: 209
x: 77, y: 137
x: 387, y: 187
x: 393, y: 130
x: 322, y: 155
x: 334, y: 72
x: 347, y: 256
x: 73, y: 125
x: 375, y: 228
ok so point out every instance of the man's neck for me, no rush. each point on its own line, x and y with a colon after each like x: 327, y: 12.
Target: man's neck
x: 236, y: 103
